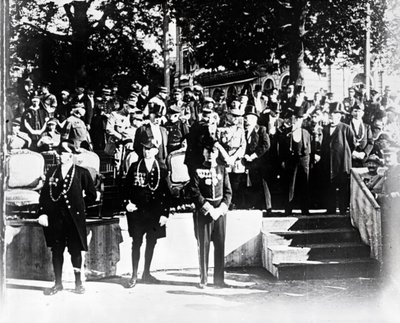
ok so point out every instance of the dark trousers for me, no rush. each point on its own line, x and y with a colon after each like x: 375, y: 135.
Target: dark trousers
x: 296, y: 179
x: 206, y: 230
x: 67, y: 236
x: 137, y: 231
x: 338, y: 189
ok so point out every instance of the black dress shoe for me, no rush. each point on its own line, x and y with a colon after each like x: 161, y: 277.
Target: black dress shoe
x: 149, y: 279
x: 79, y: 289
x: 54, y: 290
x: 131, y: 283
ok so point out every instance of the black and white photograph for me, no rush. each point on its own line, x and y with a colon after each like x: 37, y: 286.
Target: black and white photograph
x: 199, y: 161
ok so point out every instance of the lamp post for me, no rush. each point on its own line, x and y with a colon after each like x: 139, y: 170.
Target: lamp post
x: 367, y: 58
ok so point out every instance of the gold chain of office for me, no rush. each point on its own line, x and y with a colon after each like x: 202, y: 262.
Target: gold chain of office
x: 158, y: 175
x: 64, y: 191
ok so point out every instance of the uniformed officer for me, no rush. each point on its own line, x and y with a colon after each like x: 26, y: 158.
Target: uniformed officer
x: 211, y: 192
x: 148, y: 207
x: 62, y: 213
x: 177, y: 130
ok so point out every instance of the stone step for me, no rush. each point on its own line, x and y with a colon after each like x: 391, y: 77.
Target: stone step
x: 279, y: 254
x: 323, y: 269
x: 317, y: 221
x: 302, y: 237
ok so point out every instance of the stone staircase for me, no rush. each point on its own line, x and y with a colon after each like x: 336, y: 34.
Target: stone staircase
x: 318, y: 246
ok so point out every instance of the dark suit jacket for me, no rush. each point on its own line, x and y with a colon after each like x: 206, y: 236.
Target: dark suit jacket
x: 72, y: 203
x: 336, y: 150
x: 259, y: 144
x: 143, y: 134
x: 365, y: 142
x: 285, y: 140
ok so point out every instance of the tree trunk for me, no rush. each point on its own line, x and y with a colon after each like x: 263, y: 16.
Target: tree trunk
x: 80, y: 38
x: 296, y: 58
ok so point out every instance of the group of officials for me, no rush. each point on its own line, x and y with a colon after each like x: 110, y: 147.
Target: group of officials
x: 232, y: 153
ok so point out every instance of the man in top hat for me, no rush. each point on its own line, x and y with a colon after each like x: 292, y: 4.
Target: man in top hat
x: 62, y: 214
x: 74, y: 131
x: 211, y: 192
x: 294, y: 153
x: 362, y: 135
x: 154, y: 131
x: 158, y: 100
x: 177, y: 129
x: 33, y: 121
x: 48, y: 100
x: 337, y: 146
x: 18, y: 139
x: 148, y: 198
x: 257, y: 146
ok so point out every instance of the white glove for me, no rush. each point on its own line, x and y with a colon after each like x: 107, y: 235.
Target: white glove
x: 131, y: 207
x: 163, y: 220
x: 98, y: 195
x: 223, y: 208
x: 43, y: 220
x: 215, y: 214
x: 317, y: 158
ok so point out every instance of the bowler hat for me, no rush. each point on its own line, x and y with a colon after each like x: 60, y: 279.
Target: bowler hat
x: 250, y: 110
x: 298, y: 112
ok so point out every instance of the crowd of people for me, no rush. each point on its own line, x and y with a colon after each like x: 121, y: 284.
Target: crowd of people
x: 236, y: 150
x: 267, y: 140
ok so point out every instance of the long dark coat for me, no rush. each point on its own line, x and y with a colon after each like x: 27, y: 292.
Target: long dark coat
x: 336, y: 150
x: 72, y: 204
x: 152, y: 201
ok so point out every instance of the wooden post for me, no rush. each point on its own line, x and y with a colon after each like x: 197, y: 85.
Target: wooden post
x: 367, y: 63
x: 4, y: 21
x: 167, y: 80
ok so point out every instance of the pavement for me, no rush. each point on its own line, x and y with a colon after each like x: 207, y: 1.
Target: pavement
x: 254, y: 296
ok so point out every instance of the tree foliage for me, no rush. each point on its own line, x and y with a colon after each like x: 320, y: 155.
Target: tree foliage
x: 91, y: 42
x: 237, y: 34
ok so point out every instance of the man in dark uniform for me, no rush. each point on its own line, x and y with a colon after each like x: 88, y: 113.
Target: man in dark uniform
x: 177, y: 129
x: 211, y: 192
x: 148, y: 207
x: 337, y: 146
x: 295, y: 150
x: 62, y: 213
